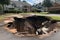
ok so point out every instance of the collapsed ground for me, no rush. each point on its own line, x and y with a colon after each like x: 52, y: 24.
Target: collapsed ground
x: 54, y: 25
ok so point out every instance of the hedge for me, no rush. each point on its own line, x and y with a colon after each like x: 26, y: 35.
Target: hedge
x: 12, y: 11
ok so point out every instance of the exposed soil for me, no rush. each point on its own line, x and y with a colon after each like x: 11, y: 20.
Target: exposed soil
x: 30, y: 35
x: 10, y: 30
x: 13, y: 31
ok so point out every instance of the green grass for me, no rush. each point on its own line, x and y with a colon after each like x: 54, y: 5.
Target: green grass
x: 3, y: 16
x: 55, y: 17
x: 43, y: 12
x: 40, y: 14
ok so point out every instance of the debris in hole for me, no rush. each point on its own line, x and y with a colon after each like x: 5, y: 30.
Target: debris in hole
x: 37, y: 25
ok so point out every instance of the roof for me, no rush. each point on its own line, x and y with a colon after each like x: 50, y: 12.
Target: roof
x: 20, y: 3
x: 9, y: 6
x: 57, y: 1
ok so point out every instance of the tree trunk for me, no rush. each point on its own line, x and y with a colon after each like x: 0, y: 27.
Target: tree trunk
x: 2, y: 8
x: 46, y: 9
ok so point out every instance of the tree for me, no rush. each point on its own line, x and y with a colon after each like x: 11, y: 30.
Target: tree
x: 24, y: 1
x: 0, y: 7
x: 47, y: 3
x: 37, y: 7
x: 4, y: 2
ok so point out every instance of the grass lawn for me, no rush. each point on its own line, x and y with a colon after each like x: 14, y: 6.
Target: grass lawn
x: 55, y: 17
x: 3, y: 16
x: 42, y: 14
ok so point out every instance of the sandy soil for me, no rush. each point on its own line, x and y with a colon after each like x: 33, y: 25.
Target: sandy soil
x: 10, y: 30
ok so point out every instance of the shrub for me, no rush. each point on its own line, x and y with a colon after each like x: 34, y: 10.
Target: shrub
x: 12, y: 11
x: 55, y: 11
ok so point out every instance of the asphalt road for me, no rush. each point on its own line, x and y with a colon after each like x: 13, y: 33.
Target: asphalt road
x: 5, y: 35
x: 54, y: 37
